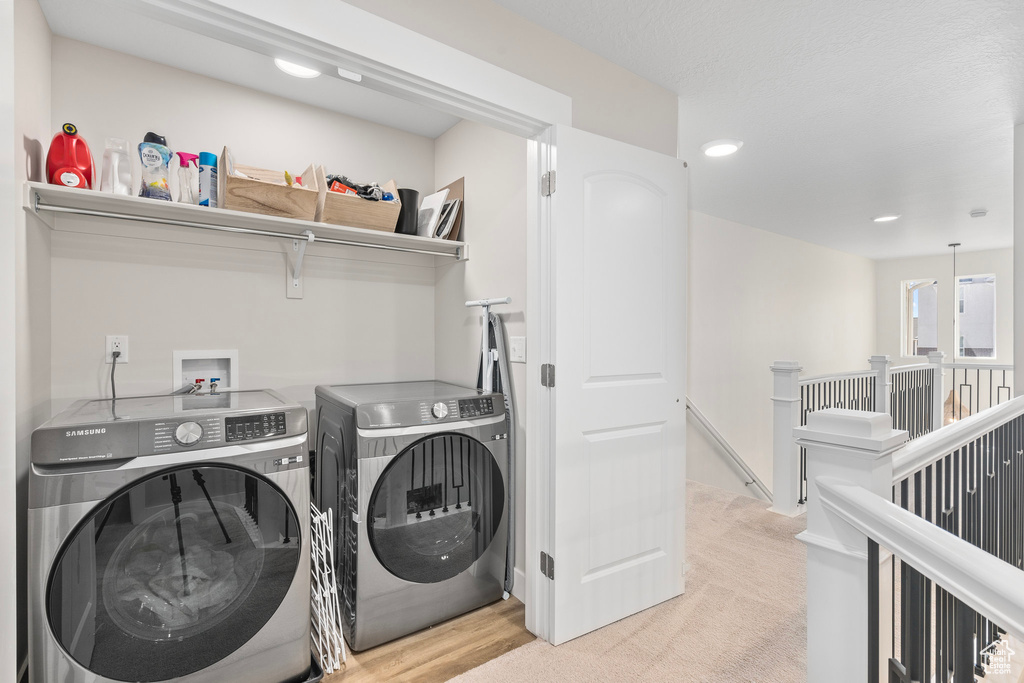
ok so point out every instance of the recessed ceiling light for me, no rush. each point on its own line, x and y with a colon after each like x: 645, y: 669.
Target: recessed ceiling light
x: 979, y: 213
x: 296, y: 70
x: 886, y: 218
x: 721, y: 148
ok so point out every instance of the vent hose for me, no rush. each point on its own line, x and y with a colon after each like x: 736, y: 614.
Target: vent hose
x: 502, y: 383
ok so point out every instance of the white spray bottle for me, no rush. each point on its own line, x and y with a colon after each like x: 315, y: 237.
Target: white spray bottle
x: 188, y: 177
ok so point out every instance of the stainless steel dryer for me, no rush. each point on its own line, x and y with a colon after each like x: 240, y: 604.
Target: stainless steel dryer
x: 168, y: 541
x: 415, y: 473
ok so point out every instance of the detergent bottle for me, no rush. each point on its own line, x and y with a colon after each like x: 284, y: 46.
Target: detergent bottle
x: 69, y: 161
x: 116, y: 176
x: 188, y: 179
x: 156, y: 159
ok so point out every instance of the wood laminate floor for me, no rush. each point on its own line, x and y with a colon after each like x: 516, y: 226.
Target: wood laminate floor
x: 444, y: 651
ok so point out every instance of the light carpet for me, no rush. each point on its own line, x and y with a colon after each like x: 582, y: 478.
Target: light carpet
x: 742, y: 617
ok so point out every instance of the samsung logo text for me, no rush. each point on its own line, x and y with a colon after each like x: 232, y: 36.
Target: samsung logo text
x: 85, y: 432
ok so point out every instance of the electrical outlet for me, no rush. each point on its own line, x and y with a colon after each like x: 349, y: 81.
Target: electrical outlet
x: 117, y: 342
x: 517, y: 350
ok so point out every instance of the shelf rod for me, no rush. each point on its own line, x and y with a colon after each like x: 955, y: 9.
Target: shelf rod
x: 246, y: 231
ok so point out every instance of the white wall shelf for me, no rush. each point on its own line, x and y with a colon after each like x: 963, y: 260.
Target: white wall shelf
x: 47, y: 200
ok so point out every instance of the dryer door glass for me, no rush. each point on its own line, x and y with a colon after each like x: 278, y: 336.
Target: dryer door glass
x: 436, y: 508
x: 174, y: 573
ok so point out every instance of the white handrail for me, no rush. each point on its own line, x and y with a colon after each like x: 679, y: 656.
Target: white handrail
x: 837, y: 376
x: 909, y: 368
x: 728, y: 449
x: 926, y: 449
x: 988, y: 585
x: 976, y: 366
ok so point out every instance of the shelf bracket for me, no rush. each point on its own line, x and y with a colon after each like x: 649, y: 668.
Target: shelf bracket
x: 32, y: 206
x: 294, y: 284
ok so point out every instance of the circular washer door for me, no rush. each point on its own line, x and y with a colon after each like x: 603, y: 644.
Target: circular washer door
x: 435, y: 508
x: 173, y: 573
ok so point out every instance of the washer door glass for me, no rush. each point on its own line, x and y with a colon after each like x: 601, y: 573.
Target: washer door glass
x: 436, y: 508
x: 174, y: 573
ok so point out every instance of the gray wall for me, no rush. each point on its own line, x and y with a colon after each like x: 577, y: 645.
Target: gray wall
x: 32, y: 252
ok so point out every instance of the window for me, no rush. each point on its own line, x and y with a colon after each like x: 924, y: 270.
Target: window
x: 976, y: 316
x: 920, y: 316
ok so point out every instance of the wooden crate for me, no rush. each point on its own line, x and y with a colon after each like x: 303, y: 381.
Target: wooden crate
x: 265, y: 192
x: 354, y: 211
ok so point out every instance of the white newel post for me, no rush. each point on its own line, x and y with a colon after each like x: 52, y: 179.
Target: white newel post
x: 938, y: 391
x: 856, y: 447
x: 786, y: 416
x: 880, y: 366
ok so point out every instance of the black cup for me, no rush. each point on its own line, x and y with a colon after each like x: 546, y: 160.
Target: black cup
x: 410, y: 211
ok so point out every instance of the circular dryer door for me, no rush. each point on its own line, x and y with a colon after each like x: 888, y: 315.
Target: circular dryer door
x: 173, y: 573
x: 435, y: 508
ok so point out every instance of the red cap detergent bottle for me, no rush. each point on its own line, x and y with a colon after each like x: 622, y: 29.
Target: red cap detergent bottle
x: 69, y: 161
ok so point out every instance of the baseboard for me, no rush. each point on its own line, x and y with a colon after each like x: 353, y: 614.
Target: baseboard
x: 800, y: 509
x: 519, y: 585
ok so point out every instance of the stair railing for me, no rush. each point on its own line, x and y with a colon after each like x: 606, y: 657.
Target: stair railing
x: 912, y: 394
x: 725, y: 447
x: 932, y: 531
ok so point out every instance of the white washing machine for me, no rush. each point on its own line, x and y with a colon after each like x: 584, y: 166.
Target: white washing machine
x: 416, y: 475
x: 168, y: 540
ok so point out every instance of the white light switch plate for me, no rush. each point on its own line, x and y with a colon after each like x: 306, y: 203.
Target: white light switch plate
x: 517, y: 352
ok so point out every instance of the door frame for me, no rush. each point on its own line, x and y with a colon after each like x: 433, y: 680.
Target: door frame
x: 540, y: 405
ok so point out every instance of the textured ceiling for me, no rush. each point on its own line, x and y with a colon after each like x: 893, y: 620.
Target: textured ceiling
x: 848, y: 109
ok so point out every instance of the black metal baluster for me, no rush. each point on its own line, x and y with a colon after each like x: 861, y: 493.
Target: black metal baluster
x: 874, y: 656
x: 990, y: 404
x: 977, y: 398
x: 928, y: 510
x: 904, y: 582
x: 963, y: 643
x: 913, y: 650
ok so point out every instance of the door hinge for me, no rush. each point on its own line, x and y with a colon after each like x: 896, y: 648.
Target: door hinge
x: 547, y: 565
x: 547, y: 375
x: 547, y: 184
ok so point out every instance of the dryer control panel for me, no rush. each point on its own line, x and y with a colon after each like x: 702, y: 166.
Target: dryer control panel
x: 415, y: 413
x: 476, y: 407
x: 246, y: 427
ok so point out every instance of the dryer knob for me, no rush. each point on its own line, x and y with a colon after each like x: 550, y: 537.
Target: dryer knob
x: 188, y: 433
x: 440, y: 410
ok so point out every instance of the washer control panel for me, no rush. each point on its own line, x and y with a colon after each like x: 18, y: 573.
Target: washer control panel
x: 475, y: 407
x: 246, y: 427
x: 166, y: 436
x: 188, y: 433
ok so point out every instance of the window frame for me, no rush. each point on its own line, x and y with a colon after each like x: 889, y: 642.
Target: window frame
x: 906, y: 312
x: 960, y: 308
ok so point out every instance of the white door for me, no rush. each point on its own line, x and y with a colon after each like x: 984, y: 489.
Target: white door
x: 617, y: 239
